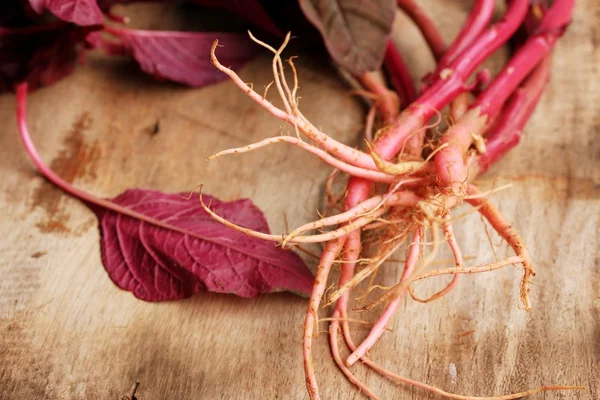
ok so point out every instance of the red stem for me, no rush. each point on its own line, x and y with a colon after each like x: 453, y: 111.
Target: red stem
x: 450, y: 166
x: 66, y: 186
x: 506, y: 132
x: 535, y: 49
x: 399, y: 74
x: 388, y: 102
x: 521, y: 65
x: 557, y: 17
x: 112, y: 48
x: 443, y: 91
x: 479, y: 19
x: 33, y: 154
x: 116, y: 18
x: 426, y: 26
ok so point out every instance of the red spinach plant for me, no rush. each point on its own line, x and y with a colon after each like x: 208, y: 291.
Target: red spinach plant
x: 408, y: 182
x: 405, y: 185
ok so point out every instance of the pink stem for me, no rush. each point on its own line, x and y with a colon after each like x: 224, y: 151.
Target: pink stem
x: 34, y: 155
x: 527, y: 57
x: 387, y: 101
x: 369, y: 123
x: 449, y: 163
x: 380, y: 325
x: 341, y: 306
x: 116, y: 18
x: 351, y: 254
x: 556, y: 18
x: 399, y: 74
x: 425, y: 25
x: 478, y: 19
x: 443, y: 91
x: 67, y: 187
x: 452, y: 242
x: 506, y: 132
x: 524, y: 61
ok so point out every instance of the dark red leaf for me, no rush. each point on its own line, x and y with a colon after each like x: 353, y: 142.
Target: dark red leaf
x: 184, y: 57
x: 80, y: 12
x: 38, y: 54
x: 251, y: 11
x: 355, y: 31
x: 156, y: 264
x: 163, y: 247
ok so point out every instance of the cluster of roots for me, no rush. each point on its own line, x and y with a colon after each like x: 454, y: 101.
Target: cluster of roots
x: 405, y: 207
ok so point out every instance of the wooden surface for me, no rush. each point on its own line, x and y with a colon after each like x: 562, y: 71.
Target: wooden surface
x: 66, y: 332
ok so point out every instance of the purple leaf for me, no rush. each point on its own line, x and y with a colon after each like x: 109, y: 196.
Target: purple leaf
x: 354, y: 31
x: 80, y: 12
x: 38, y: 54
x: 163, y: 247
x: 166, y: 55
x: 183, y: 57
x: 157, y: 264
x: 251, y: 11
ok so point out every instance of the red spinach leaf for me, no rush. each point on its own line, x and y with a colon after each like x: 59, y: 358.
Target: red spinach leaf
x: 182, y: 57
x: 178, y: 56
x: 163, y: 247
x: 251, y: 11
x: 157, y: 264
x: 38, y: 54
x: 355, y: 31
x: 80, y: 12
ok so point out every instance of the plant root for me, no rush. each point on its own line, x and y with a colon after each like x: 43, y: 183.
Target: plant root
x: 366, y: 173
x: 458, y: 262
x: 331, y: 251
x: 381, y: 324
x: 510, y: 235
x: 295, y: 118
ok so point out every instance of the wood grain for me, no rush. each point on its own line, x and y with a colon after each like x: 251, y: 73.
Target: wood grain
x: 66, y: 332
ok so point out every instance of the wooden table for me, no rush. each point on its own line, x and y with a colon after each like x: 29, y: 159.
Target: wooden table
x: 66, y: 332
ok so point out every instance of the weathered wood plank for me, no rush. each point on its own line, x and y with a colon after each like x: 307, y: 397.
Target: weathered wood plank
x: 66, y: 332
